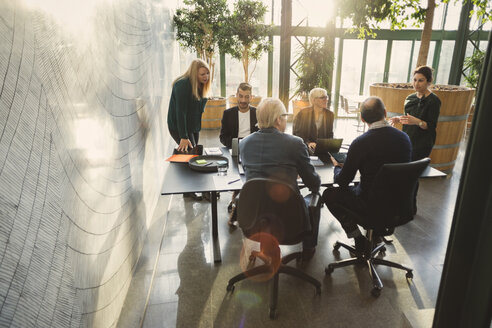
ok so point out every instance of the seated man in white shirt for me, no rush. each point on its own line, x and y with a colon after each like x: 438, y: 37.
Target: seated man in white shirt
x: 238, y: 122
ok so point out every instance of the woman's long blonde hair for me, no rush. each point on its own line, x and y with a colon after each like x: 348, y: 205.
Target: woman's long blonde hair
x: 198, y: 90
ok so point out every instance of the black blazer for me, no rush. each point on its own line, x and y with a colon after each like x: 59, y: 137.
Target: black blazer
x: 305, y: 126
x: 230, y: 124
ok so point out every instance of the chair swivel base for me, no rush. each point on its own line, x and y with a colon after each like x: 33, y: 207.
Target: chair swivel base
x: 268, y: 268
x: 370, y: 260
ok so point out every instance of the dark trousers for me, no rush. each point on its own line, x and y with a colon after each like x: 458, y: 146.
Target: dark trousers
x: 193, y: 137
x: 339, y: 200
x: 416, y: 155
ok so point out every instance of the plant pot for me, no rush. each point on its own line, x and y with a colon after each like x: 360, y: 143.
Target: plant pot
x: 212, y: 115
x: 255, y: 101
x: 455, y: 106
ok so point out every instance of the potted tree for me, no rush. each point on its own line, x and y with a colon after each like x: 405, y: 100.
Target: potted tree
x: 455, y: 101
x: 201, y: 27
x: 249, y: 37
x: 314, y: 68
x: 366, y: 15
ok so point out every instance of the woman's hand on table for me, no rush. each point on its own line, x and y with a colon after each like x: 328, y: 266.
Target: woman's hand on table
x: 184, y: 144
x: 312, y: 145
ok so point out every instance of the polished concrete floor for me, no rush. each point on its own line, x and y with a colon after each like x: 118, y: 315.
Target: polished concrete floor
x: 176, y: 283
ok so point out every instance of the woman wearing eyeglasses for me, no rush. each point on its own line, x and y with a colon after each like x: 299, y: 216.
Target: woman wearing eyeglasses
x: 422, y: 110
x: 316, y: 121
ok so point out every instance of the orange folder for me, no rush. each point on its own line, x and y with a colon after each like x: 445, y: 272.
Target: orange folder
x: 180, y: 158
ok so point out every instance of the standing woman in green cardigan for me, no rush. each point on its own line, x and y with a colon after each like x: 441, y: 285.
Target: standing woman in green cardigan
x: 187, y: 103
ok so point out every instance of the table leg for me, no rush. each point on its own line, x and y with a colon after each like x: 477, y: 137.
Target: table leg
x: 215, y: 232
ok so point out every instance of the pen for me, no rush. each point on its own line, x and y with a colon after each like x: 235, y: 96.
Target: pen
x: 231, y: 182
x: 208, y: 164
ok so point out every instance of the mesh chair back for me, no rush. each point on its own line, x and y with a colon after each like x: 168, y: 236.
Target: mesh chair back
x: 391, y: 200
x: 274, y: 207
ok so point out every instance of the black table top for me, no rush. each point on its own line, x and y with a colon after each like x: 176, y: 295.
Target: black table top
x: 180, y: 178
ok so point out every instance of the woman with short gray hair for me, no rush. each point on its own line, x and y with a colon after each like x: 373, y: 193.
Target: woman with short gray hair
x: 316, y: 121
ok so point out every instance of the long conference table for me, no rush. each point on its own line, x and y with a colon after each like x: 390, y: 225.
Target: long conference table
x: 179, y: 178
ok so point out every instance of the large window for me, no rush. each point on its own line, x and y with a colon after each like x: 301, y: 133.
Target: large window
x: 351, y: 66
x: 376, y: 55
x: 445, y: 62
x: 400, y: 60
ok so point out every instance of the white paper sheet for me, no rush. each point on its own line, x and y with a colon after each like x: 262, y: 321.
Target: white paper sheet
x: 227, y: 182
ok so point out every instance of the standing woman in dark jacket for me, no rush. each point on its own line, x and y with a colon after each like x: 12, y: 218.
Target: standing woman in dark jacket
x: 187, y: 103
x: 422, y: 110
x: 315, y: 121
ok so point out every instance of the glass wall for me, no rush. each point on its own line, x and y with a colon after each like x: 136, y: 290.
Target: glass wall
x: 258, y: 73
x: 442, y: 75
x: 311, y: 12
x: 351, y: 66
x: 399, y: 62
x: 376, y: 55
x: 315, y: 13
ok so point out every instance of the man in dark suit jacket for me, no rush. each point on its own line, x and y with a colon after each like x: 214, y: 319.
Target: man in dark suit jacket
x: 239, y: 121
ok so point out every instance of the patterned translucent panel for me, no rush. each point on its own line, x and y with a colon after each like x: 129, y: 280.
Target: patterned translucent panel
x: 81, y: 136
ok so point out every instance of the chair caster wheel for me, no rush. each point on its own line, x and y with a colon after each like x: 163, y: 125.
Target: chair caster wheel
x: 336, y: 246
x: 273, y: 313
x: 376, y: 291
x: 329, y: 269
x: 409, y: 275
x: 230, y: 288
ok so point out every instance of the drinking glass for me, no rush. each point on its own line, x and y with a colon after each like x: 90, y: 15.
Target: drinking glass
x: 222, y: 169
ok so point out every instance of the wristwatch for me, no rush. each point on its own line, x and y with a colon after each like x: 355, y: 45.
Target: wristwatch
x: 421, y: 123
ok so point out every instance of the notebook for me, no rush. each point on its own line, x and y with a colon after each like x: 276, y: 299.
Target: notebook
x: 212, y: 151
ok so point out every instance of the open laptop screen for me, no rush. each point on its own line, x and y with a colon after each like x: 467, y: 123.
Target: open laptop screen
x: 325, y: 146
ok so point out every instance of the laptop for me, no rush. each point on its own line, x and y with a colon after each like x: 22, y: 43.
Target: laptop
x: 239, y: 164
x: 325, y: 147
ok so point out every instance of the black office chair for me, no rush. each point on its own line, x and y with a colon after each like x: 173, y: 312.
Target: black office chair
x: 391, y: 205
x: 271, y: 208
